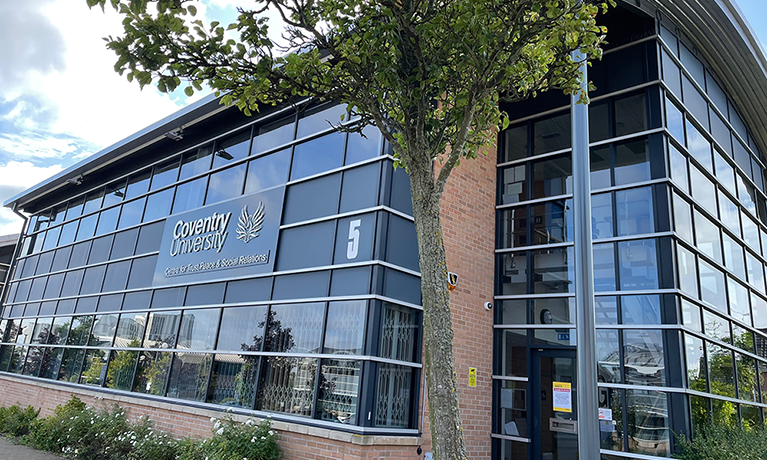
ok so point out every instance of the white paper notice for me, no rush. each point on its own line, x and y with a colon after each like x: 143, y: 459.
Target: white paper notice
x: 605, y: 414
x: 562, y: 397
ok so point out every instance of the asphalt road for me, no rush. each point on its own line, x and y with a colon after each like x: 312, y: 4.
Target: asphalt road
x: 11, y: 451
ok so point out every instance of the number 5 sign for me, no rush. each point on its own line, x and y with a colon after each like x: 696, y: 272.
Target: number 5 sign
x: 353, y: 246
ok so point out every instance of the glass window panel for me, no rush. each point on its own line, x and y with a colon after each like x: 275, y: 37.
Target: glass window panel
x: 708, y: 237
x: 638, y: 265
x: 360, y: 147
x: 80, y: 330
x: 606, y: 310
x: 274, y: 134
x: 513, y: 273
x: 393, y: 395
x: 512, y: 352
x: 198, y: 329
x: 604, y: 267
x: 640, y: 309
x: 318, y: 155
x: 634, y: 211
x: 287, y: 385
x: 553, y: 270
x: 295, y: 328
x: 196, y: 162
x: 682, y: 218
x: 399, y: 333
x: 512, y: 225
x: 320, y: 119
x: 46, y: 308
x: 165, y: 174
x: 608, y: 356
x: 742, y: 157
x: 75, y: 208
x: 751, y: 416
x: 232, y: 148
x: 69, y: 370
x: 632, y: 162
x: 703, y: 190
x: 716, y: 93
x: 38, y: 288
x: 742, y: 338
x: 131, y: 213
x: 44, y: 263
x: 65, y: 306
x: 750, y: 233
x: 759, y: 312
x: 110, y: 302
x: 671, y: 74
x: 733, y: 256
x: 552, y: 311
x: 205, y: 294
x: 678, y: 168
x: 87, y: 227
x: 345, y: 327
x: 762, y: 366
x: 696, y: 363
x: 514, y: 188
x: 122, y: 365
x: 51, y: 238
x: 161, y: 329
x: 226, y: 184
x: 149, y: 238
x: 643, y: 357
x: 359, y: 189
x: 712, y: 285
x: 68, y: 233
x: 720, y: 370
x: 190, y: 195
x: 130, y: 330
x: 244, y: 328
x: 511, y: 413
x: 114, y: 193
x: 189, y: 376
x: 53, y: 288
x: 600, y: 168
x: 729, y: 214
x: 648, y: 425
x: 630, y: 114
x: 86, y: 304
x: 721, y: 132
x: 103, y: 331
x: 338, y: 391
x: 138, y: 184
x: 515, y: 141
x: 551, y: 134
x: 142, y: 272
x: 137, y: 300
x: 93, y: 279
x: 158, y: 205
x: 698, y: 146
x: 755, y: 271
x: 675, y: 121
x: 233, y: 380
x: 551, y: 222
x: 691, y: 316
x: 267, y: 171
x: 552, y: 177
x: 152, y: 372
x: 746, y: 194
x: 695, y: 102
x: 716, y: 327
x: 601, y: 215
x: 124, y: 244
x: 739, y: 306
x: 251, y: 290
x: 724, y: 172
x: 169, y: 297
x: 107, y: 221
x: 49, y: 368
x: 93, y: 201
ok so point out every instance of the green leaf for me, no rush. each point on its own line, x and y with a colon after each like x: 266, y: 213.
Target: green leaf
x: 189, y: 91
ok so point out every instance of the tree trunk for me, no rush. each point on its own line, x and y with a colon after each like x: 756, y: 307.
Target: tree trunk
x: 439, y: 363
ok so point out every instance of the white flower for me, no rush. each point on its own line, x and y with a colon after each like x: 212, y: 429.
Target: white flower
x: 263, y: 438
x: 253, y: 439
x: 212, y: 419
x: 229, y: 409
x: 250, y: 422
x: 271, y: 433
x: 220, y: 431
x: 217, y: 424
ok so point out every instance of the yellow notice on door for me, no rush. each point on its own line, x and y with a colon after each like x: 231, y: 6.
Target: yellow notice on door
x: 562, y: 397
x: 472, y: 376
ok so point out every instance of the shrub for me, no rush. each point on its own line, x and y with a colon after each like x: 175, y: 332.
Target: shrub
x: 235, y: 441
x: 725, y: 443
x: 17, y: 421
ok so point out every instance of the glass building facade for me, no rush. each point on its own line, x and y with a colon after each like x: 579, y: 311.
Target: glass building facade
x: 329, y: 336
x: 678, y: 224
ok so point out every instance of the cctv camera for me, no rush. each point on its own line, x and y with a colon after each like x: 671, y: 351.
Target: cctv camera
x: 488, y: 306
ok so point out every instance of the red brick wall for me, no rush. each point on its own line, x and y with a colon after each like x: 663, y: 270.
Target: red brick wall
x: 308, y: 444
x: 468, y: 220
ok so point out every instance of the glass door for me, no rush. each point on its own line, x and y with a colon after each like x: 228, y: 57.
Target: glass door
x: 555, y: 420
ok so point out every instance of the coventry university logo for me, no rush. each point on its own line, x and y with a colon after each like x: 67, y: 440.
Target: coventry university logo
x: 249, y: 225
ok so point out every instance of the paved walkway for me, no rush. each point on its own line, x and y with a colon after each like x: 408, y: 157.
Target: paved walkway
x: 11, y: 451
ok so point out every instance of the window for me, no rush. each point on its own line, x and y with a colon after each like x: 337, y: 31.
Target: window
x: 724, y: 172
x: 552, y: 177
x: 682, y: 218
x: 295, y: 328
x: 345, y: 327
x: 394, y: 386
x: 703, y: 190
x: 244, y: 328
x: 198, y: 329
x: 720, y: 370
x: 638, y: 265
x: 675, y: 121
x: 630, y: 114
x: 601, y: 215
x: 196, y: 162
x: 604, y: 267
x: 643, y: 357
x: 189, y: 376
x: 287, y: 385
x: 688, y: 273
x: 712, y: 286
x: 138, y: 184
x: 608, y: 356
x: 165, y: 174
x: 600, y: 168
x: 152, y: 372
x: 190, y: 195
x: 267, y: 171
x: 733, y: 256
x: 698, y: 146
x: 361, y: 148
x: 226, y: 184
x: 728, y: 213
x: 551, y: 134
x: 515, y: 142
x: 632, y: 162
x: 232, y: 148
x: 553, y: 270
x: 274, y: 134
x: 708, y: 237
x: 318, y: 155
x: 337, y: 400
x: 634, y: 211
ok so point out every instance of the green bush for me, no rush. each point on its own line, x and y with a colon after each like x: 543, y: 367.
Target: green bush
x: 725, y: 443
x: 81, y: 432
x: 17, y: 421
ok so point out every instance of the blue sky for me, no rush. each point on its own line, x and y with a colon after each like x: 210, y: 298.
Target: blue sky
x: 61, y: 101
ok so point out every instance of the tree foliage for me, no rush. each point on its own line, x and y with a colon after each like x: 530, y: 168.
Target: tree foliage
x: 429, y: 74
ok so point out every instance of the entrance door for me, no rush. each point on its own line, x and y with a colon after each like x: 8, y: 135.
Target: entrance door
x: 555, y: 426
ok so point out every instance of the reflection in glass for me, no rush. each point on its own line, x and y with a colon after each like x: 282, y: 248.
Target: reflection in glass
x: 632, y: 162
x: 691, y: 316
x: 738, y: 296
x: 648, y: 430
x: 359, y: 148
x: 604, y: 267
x: 675, y: 121
x: 703, y: 190
x: 634, y: 211
x: 94, y: 367
x: 712, y: 285
x: 51, y: 364
x: 601, y: 215
x: 552, y: 177
x: 608, y: 356
x: 696, y: 363
x: 611, y: 431
x: 190, y: 195
x: 720, y: 370
x: 122, y: 364
x: 745, y: 367
x: 161, y: 329
x: 724, y: 172
x: 512, y: 352
x: 244, y: 328
x: 640, y: 309
x: 152, y: 372
x: 318, y: 155
x: 226, y: 184
x: 724, y: 413
x: 103, y: 332
x: 196, y: 162
x: 295, y: 328
x: 198, y: 329
x: 515, y: 142
x: 728, y: 213
x: 232, y: 148
x: 189, y: 376
x: 682, y: 218
x: 233, y: 380
x: 165, y: 174
x: 514, y: 187
x: 557, y: 310
x: 755, y: 271
x: 688, y: 273
x: 267, y: 171
x: 287, y: 385
x: 698, y: 146
x: 716, y: 327
x: 551, y: 134
x: 643, y: 357
x: 606, y: 310
x: 512, y: 410
x: 70, y: 365
x: 130, y: 330
x: 638, y: 265
x: 338, y: 391
x: 678, y: 168
x: 600, y: 168
x: 158, y: 205
x: 707, y: 237
x: 733, y: 256
x: 553, y: 270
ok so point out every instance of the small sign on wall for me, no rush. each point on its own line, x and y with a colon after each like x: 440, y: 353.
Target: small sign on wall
x: 472, y: 376
x: 562, y: 397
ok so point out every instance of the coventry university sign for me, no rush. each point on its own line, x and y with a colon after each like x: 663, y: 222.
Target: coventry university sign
x: 239, y: 236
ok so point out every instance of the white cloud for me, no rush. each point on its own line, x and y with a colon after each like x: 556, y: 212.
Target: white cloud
x: 17, y: 177
x: 37, y: 145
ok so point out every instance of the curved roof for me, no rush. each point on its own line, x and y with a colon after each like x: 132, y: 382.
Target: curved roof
x: 725, y: 39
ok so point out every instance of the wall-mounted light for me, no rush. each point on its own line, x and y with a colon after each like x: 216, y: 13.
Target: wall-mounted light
x: 176, y: 134
x: 224, y: 154
x: 75, y: 180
